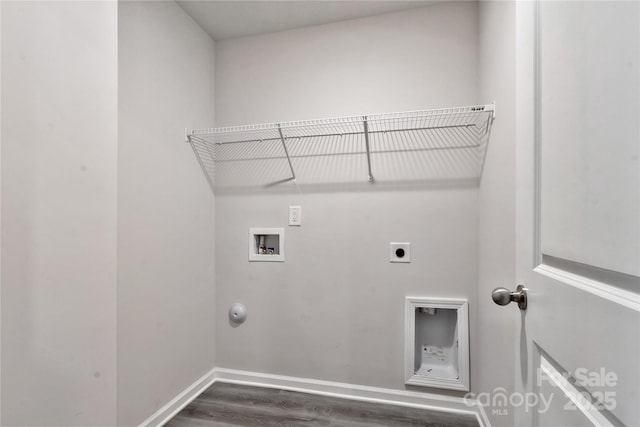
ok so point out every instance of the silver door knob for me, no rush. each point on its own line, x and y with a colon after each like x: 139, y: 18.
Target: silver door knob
x: 503, y: 296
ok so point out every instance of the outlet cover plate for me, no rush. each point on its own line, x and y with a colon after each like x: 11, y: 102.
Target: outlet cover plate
x: 400, y: 252
x: 295, y: 216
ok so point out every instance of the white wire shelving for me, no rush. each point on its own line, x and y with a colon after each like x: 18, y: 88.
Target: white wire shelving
x: 445, y: 143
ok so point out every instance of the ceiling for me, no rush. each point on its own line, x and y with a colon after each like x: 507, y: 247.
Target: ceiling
x: 229, y: 19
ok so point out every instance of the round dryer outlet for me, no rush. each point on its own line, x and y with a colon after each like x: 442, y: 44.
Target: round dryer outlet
x: 400, y: 252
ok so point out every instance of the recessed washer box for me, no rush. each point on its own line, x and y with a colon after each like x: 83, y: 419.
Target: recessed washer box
x: 266, y: 244
x: 437, y: 343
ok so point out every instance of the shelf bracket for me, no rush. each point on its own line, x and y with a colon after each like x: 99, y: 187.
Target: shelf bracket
x: 366, y: 143
x: 210, y: 181
x: 284, y: 145
x: 492, y: 117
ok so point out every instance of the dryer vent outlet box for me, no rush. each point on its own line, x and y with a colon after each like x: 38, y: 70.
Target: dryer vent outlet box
x: 437, y: 343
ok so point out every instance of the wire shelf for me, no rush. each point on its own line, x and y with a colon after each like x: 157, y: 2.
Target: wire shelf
x: 448, y: 143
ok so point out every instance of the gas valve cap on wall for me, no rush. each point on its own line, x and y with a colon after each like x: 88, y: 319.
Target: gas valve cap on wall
x: 238, y: 313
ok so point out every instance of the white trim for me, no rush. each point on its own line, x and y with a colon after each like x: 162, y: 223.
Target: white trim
x: 175, y: 405
x: 481, y: 415
x: 619, y: 296
x: 412, y: 399
x: 588, y: 409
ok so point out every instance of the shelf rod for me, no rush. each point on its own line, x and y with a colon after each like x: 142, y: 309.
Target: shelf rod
x: 284, y: 145
x: 371, y: 132
x: 351, y: 153
x: 366, y: 142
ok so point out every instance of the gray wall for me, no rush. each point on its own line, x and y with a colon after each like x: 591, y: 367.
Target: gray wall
x: 394, y: 62
x: 107, y: 223
x: 59, y: 223
x: 165, y: 208
x: 92, y: 167
x: 496, y: 325
x: 334, y: 309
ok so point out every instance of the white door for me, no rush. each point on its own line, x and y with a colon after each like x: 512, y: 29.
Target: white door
x: 578, y: 192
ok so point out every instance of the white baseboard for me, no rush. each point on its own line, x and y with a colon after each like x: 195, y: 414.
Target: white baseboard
x: 412, y: 399
x: 356, y: 392
x: 168, y: 411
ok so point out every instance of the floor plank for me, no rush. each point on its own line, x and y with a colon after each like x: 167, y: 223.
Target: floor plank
x: 224, y: 405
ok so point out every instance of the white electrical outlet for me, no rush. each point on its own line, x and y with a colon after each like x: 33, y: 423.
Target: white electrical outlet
x: 295, y: 215
x: 400, y: 252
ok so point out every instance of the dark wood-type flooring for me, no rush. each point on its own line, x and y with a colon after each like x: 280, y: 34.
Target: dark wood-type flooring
x: 237, y: 405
